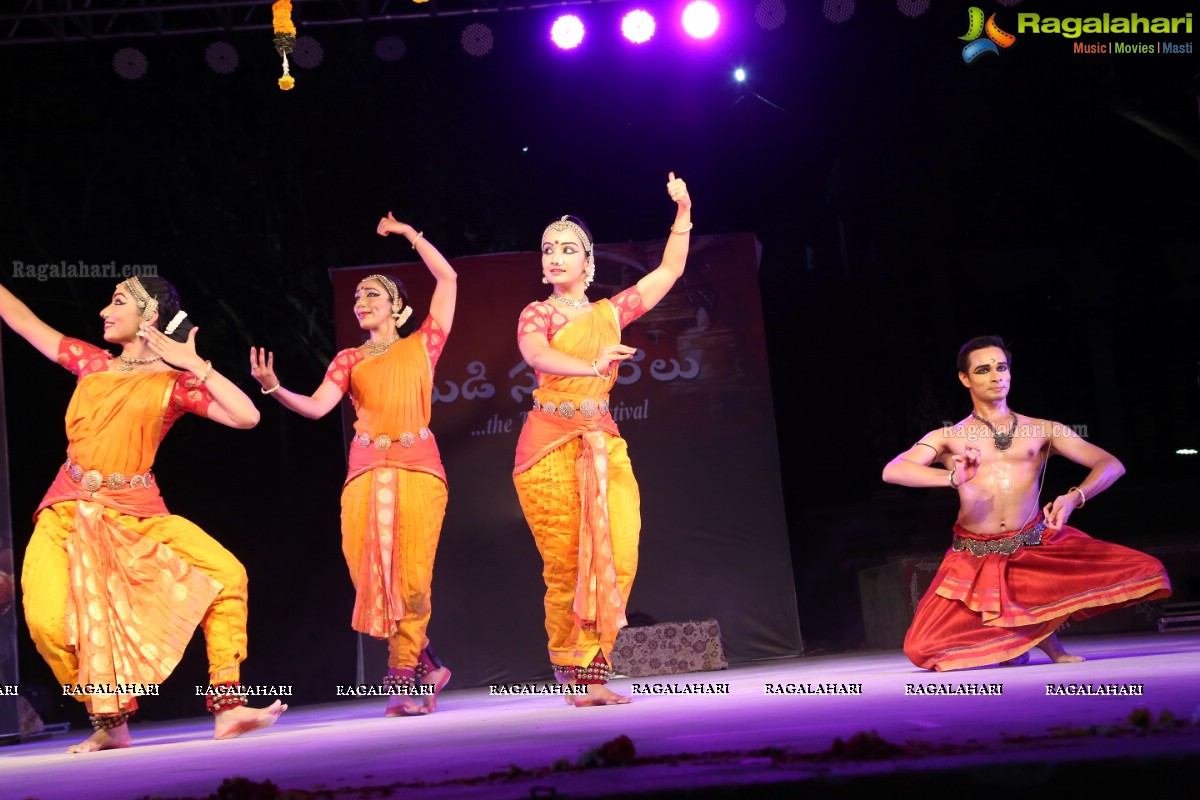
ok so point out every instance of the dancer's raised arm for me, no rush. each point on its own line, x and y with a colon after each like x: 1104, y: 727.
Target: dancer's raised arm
x: 27, y: 324
x: 445, y: 294
x: 656, y: 284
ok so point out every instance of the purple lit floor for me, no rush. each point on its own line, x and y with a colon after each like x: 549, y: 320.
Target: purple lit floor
x: 346, y: 748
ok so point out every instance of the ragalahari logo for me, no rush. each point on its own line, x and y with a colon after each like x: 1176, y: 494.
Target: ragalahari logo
x: 976, y: 28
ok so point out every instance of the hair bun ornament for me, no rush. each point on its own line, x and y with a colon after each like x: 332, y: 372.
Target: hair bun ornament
x: 174, y: 323
x: 401, y: 317
x: 285, y: 38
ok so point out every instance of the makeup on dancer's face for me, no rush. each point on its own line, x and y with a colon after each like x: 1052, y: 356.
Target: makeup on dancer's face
x: 370, y: 293
x: 119, y: 299
x: 568, y: 248
x: 984, y: 369
x: 558, y: 255
x: 114, y: 312
x: 370, y: 299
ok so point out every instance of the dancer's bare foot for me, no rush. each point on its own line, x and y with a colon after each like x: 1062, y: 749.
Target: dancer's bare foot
x: 111, y: 739
x: 438, y: 678
x: 1052, y: 647
x: 242, y: 719
x: 596, y: 694
x: 1019, y: 661
x: 402, y: 705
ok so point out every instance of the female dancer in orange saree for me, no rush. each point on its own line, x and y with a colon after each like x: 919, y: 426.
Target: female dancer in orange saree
x: 572, y: 472
x: 114, y: 585
x: 395, y: 493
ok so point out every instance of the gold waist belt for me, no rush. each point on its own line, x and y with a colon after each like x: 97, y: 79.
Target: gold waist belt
x: 92, y: 479
x: 383, y: 441
x: 587, y: 409
x: 1006, y: 546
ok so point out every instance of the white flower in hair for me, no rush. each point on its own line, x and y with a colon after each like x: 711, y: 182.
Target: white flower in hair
x: 174, y: 323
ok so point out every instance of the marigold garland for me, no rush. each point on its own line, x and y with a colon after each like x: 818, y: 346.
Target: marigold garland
x: 285, y: 38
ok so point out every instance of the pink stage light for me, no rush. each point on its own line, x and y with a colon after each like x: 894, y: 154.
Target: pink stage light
x: 567, y: 31
x: 638, y: 26
x: 701, y: 19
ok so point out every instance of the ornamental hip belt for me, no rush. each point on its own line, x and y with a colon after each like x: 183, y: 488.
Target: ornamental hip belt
x: 1006, y: 546
x: 587, y: 408
x: 383, y: 441
x: 91, y: 480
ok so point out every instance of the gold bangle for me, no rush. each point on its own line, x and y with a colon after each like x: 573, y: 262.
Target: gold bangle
x: 207, y: 372
x: 417, y: 238
x: 596, y: 368
x: 685, y: 230
x: 950, y: 477
x: 272, y: 389
x: 1081, y: 494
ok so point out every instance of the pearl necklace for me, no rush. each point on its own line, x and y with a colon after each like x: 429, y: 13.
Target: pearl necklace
x: 575, y: 303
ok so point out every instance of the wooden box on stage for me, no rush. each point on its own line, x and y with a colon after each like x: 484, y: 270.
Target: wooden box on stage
x: 669, y: 648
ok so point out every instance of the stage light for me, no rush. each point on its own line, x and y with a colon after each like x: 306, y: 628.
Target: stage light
x: 390, y: 48
x: 477, y: 39
x: 221, y: 58
x: 838, y: 10
x: 770, y: 14
x: 700, y: 19
x: 567, y: 31
x: 638, y: 26
x: 739, y: 74
x: 130, y: 63
x: 308, y: 53
x: 912, y: 8
x: 1186, y: 451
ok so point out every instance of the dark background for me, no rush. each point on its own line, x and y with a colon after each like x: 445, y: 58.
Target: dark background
x: 905, y: 202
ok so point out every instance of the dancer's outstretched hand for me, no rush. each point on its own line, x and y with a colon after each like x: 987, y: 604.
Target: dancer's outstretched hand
x: 390, y: 224
x: 181, y: 355
x: 262, y: 367
x: 678, y: 191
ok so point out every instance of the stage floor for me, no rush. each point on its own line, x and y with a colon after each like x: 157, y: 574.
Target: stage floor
x: 744, y: 743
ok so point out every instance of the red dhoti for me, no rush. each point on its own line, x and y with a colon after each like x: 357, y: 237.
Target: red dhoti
x: 985, y: 607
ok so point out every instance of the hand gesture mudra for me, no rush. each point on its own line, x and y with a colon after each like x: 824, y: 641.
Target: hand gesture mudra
x: 390, y: 224
x: 262, y: 367
x: 181, y: 355
x: 1058, y: 511
x: 678, y: 191
x: 964, y: 466
x: 613, y: 354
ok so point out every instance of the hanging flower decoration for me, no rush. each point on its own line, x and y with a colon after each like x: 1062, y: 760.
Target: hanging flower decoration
x: 285, y: 38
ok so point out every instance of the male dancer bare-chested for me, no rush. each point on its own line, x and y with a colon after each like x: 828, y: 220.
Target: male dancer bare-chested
x: 1015, y: 572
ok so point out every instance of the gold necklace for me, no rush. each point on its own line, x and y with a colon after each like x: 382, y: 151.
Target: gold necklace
x: 379, y: 348
x: 569, y: 301
x: 130, y: 364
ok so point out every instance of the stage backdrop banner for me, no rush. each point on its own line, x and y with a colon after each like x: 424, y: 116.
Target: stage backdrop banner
x: 695, y: 407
